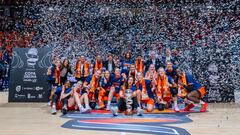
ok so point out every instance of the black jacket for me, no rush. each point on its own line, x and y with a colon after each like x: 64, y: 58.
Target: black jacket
x: 158, y: 64
x: 105, y: 64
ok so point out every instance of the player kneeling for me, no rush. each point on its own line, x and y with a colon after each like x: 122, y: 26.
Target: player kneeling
x: 165, y: 92
x: 195, y: 91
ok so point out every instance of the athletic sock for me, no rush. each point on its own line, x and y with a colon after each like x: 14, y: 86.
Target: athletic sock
x: 80, y: 106
x: 201, y: 102
x: 175, y: 103
x: 108, y: 103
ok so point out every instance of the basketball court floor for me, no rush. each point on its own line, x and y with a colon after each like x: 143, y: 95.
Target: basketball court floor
x: 35, y: 119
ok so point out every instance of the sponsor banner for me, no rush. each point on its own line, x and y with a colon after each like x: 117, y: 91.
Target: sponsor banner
x: 28, y: 75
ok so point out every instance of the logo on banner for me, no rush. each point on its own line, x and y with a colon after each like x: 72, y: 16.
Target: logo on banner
x: 32, y: 57
x: 18, y: 88
x: 28, y: 79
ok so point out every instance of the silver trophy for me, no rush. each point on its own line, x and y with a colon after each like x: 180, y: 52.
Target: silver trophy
x: 114, y: 107
x: 129, y: 102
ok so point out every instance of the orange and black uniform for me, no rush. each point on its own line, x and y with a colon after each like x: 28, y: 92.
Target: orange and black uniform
x: 122, y: 105
x: 190, y: 84
x: 94, y: 85
x: 147, y: 94
x: 162, y: 85
x: 140, y: 66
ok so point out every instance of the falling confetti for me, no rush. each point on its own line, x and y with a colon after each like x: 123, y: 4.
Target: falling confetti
x: 206, y: 37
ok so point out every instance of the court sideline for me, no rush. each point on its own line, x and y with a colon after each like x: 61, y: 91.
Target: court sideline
x: 35, y: 118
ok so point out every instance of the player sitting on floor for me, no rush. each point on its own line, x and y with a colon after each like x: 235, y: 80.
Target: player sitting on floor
x: 128, y: 98
x: 56, y: 95
x: 195, y: 91
x: 117, y: 81
x: 81, y: 98
x: 106, y: 83
x: 92, y: 84
x: 144, y: 92
x: 65, y: 96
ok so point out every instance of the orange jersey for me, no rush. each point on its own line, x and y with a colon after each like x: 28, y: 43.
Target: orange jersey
x: 98, y: 65
x: 183, y: 91
x: 162, y: 86
x: 85, y: 72
x: 57, y: 75
x: 140, y: 66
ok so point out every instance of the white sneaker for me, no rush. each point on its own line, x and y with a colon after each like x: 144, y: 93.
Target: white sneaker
x: 114, y: 111
x: 176, y: 109
x: 108, y: 108
x: 64, y: 110
x: 49, y: 103
x: 87, y: 110
x: 81, y: 109
x: 139, y: 111
x: 54, y: 111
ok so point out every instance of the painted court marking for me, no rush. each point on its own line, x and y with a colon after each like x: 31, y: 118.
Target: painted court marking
x: 132, y: 127
x: 148, y: 123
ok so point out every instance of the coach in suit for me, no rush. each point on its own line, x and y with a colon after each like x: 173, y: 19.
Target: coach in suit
x: 109, y: 63
x: 153, y: 60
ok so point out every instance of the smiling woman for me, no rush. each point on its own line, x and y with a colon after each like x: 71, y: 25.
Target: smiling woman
x: 151, y: 62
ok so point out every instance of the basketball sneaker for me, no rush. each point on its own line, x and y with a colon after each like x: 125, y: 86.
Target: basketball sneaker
x: 54, y: 110
x: 204, y: 107
x: 188, y: 107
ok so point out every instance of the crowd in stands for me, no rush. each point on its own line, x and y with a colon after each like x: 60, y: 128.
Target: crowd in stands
x: 199, y: 34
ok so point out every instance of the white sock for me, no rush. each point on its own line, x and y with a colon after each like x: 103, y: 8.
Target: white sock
x: 53, y: 106
x: 175, y: 103
x: 201, y: 102
x: 80, y: 106
x: 109, y: 102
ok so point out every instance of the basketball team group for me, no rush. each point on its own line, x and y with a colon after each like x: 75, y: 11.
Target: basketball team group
x: 123, y: 85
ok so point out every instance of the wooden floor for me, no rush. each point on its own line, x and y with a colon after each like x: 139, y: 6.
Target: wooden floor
x: 35, y: 119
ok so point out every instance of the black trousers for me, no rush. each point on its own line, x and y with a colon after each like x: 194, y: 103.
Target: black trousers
x: 122, y: 105
x: 81, y: 79
x: 65, y: 101
x: 55, y: 98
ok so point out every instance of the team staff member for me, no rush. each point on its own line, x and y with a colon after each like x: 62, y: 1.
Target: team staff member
x: 65, y: 69
x: 98, y: 64
x: 109, y: 63
x: 82, y: 69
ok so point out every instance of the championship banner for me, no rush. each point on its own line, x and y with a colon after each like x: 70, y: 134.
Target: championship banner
x: 28, y: 75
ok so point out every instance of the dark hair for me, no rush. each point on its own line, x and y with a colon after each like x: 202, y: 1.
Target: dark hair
x: 130, y: 55
x: 65, y: 61
x: 126, y: 84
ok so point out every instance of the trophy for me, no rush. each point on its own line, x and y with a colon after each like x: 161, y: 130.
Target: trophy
x: 129, y: 102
